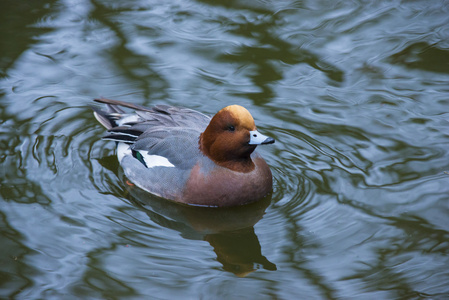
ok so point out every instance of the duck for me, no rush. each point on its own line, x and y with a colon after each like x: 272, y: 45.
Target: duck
x: 185, y: 156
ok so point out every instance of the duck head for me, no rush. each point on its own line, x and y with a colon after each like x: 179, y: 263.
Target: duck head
x: 231, y: 137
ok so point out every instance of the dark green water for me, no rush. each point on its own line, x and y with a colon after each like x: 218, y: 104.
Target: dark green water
x: 356, y: 95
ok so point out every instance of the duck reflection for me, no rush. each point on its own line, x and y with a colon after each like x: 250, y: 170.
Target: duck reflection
x: 239, y: 251
x: 229, y: 231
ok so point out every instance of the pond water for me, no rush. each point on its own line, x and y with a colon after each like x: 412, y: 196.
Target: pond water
x: 356, y: 94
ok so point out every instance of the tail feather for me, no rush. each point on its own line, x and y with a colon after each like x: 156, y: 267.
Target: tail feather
x: 103, y: 118
x: 117, y: 122
x: 108, y: 118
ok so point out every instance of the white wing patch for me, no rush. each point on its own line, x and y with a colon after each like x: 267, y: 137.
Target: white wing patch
x: 150, y: 160
x: 156, y: 161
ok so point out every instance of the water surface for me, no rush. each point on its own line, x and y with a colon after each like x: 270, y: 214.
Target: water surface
x: 355, y: 93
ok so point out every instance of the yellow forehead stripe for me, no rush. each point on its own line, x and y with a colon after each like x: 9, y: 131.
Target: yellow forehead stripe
x: 242, y: 114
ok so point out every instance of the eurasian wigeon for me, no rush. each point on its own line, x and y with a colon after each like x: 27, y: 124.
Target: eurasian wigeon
x: 183, y: 155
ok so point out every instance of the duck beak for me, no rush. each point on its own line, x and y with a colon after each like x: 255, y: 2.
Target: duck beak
x: 256, y: 138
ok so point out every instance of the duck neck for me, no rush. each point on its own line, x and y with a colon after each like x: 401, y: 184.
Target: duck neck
x: 243, y: 164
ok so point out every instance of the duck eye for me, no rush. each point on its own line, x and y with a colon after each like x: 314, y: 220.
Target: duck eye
x: 231, y: 128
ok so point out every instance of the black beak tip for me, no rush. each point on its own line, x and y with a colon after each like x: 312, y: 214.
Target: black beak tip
x: 268, y: 141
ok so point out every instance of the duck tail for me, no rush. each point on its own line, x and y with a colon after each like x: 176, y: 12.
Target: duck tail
x: 117, y: 122
x: 109, y: 117
x: 105, y: 117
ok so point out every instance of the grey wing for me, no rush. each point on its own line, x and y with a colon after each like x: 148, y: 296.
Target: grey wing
x: 145, y: 118
x: 154, y: 136
x: 179, y: 146
x: 170, y: 116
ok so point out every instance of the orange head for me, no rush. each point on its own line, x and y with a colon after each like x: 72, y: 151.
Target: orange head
x: 231, y: 137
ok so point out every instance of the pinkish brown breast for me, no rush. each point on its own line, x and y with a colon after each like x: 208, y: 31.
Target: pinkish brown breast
x: 222, y: 187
